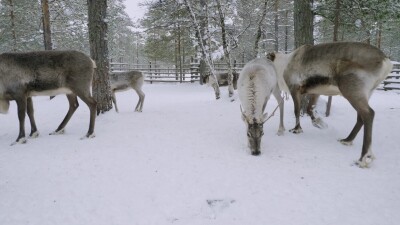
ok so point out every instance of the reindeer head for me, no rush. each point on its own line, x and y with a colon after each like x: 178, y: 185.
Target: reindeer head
x: 255, y: 131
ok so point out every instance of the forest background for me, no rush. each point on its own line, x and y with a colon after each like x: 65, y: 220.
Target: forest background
x: 166, y: 33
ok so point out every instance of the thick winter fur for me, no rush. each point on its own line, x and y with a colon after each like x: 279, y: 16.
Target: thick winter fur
x: 123, y: 81
x: 257, y: 81
x: 23, y: 75
x: 350, y: 69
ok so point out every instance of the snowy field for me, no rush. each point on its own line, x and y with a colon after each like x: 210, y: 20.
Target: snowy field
x: 184, y: 160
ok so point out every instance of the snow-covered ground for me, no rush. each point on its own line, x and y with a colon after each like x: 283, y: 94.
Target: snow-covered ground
x: 184, y: 160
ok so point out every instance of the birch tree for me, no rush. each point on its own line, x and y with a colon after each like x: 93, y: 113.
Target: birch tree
x: 259, y: 28
x: 226, y: 46
x: 203, y: 39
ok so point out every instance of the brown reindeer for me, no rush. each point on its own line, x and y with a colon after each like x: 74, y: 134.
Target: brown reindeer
x: 350, y: 69
x: 48, y: 73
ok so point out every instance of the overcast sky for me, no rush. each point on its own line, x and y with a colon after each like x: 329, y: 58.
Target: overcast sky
x: 134, y: 10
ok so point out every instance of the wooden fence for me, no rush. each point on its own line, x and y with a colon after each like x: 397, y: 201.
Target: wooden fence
x: 164, y: 73
x: 392, y: 81
x: 189, y: 73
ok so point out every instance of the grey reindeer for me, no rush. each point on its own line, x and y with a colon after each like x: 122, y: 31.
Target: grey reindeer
x: 48, y: 73
x: 350, y: 69
x: 123, y: 81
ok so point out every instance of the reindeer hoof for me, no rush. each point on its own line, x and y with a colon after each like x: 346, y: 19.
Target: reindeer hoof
x: 344, y: 142
x: 62, y: 131
x: 296, y: 130
x: 361, y: 164
x: 280, y: 132
x: 34, y: 134
x: 256, y: 153
x: 87, y: 136
x: 319, y: 123
x: 365, y: 162
x: 20, y: 141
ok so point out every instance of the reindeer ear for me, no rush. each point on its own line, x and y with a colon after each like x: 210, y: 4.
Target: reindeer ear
x: 271, y: 56
x: 265, y: 117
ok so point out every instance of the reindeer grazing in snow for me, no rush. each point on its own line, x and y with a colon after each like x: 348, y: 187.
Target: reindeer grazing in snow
x: 223, y: 79
x: 353, y: 70
x: 257, y: 81
x: 123, y: 81
x: 23, y: 75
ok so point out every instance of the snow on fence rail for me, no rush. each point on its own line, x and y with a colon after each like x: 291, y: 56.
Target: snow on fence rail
x: 162, y: 73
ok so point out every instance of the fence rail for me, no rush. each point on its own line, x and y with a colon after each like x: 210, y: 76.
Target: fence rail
x: 392, y: 81
x: 162, y: 73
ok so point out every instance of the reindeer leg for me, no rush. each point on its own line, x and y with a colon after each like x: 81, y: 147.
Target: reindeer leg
x: 230, y: 90
x: 279, y: 99
x: 367, y: 116
x: 355, y: 94
x: 216, y: 90
x: 114, y: 99
x: 30, y: 112
x: 316, y: 121
x: 21, y: 105
x: 366, y: 155
x: 295, y: 92
x: 139, y: 105
x: 91, y: 103
x: 353, y: 133
x: 73, y: 105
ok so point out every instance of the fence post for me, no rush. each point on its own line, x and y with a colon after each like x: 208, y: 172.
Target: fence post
x: 151, y: 74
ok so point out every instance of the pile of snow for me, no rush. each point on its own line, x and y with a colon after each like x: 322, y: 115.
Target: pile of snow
x: 184, y: 160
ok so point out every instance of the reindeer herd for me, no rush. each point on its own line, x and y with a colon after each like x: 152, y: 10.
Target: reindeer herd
x: 350, y: 69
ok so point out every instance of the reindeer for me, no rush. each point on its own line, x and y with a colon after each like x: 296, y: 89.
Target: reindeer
x: 256, y: 82
x: 48, y: 73
x: 350, y: 69
x: 123, y: 81
x: 223, y: 79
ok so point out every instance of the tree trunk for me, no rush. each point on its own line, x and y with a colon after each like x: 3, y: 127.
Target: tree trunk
x: 276, y: 24
x: 303, y: 33
x: 303, y: 23
x: 46, y: 25
x: 379, y: 35
x: 259, y: 29
x: 335, y: 38
x: 226, y: 47
x: 286, y: 31
x: 13, y: 32
x: 99, y: 53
